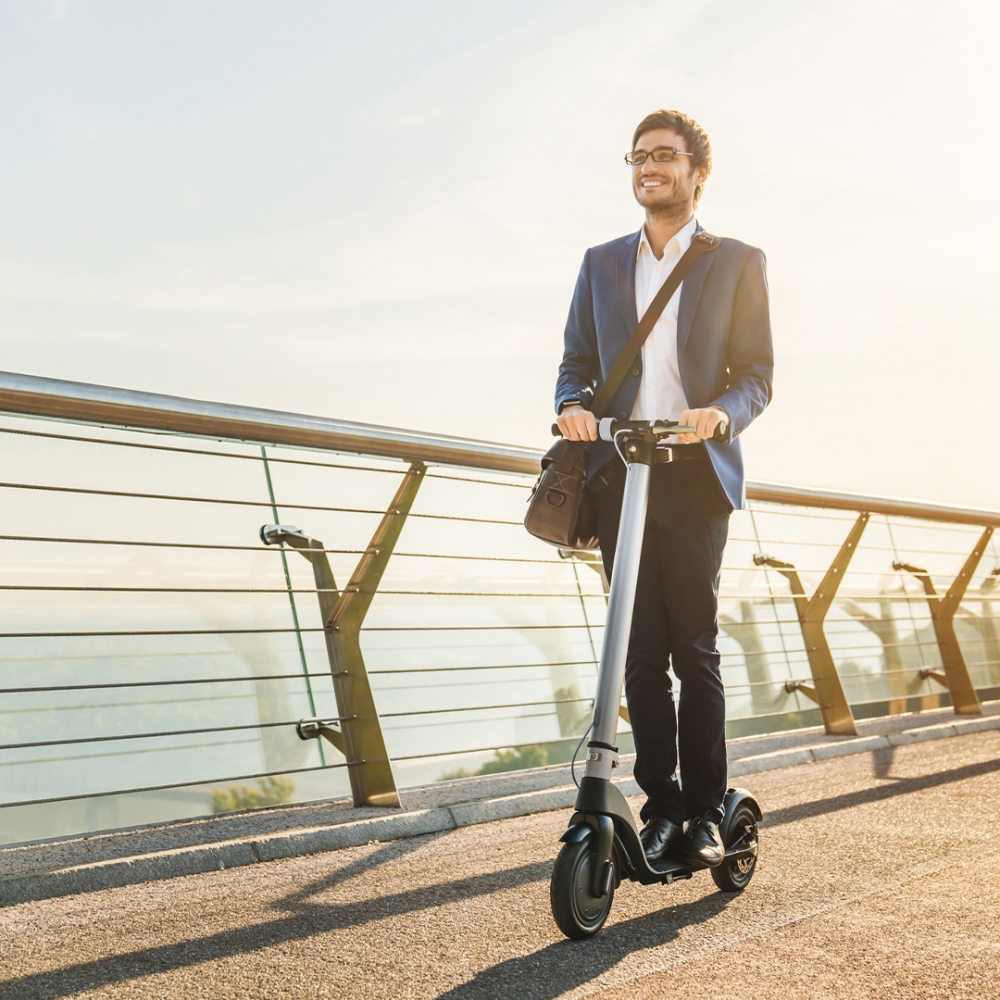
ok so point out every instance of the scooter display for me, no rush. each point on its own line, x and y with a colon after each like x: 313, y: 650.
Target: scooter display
x: 601, y: 845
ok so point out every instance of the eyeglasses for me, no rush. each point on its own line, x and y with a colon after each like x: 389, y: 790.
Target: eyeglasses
x: 662, y: 154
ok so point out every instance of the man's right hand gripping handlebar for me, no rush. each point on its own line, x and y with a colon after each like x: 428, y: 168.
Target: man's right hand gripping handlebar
x: 576, y: 423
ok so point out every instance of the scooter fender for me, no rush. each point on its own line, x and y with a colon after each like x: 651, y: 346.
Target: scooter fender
x: 577, y: 832
x: 602, y: 829
x: 736, y: 797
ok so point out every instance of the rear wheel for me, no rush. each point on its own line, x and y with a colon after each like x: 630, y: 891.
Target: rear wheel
x: 734, y: 874
x: 577, y: 911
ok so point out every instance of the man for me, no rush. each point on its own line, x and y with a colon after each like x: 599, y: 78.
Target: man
x: 707, y: 361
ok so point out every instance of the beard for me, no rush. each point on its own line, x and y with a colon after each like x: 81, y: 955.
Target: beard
x: 669, y: 200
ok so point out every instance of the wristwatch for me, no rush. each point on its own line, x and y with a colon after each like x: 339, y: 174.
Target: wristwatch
x: 569, y: 402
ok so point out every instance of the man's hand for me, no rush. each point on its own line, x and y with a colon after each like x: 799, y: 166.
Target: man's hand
x: 577, y: 424
x: 704, y: 422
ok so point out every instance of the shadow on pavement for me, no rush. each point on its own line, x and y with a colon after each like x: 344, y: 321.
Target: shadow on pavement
x: 309, y: 919
x: 882, y: 761
x: 566, y: 965
x: 901, y: 786
x: 390, y: 851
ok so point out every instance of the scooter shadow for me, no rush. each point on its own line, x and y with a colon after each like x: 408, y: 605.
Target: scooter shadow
x: 566, y: 965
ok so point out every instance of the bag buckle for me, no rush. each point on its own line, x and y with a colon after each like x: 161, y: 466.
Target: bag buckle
x: 664, y: 455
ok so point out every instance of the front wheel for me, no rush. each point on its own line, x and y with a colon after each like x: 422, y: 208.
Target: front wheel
x: 577, y: 911
x: 734, y: 874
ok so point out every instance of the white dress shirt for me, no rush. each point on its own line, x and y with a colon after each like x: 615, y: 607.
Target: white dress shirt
x: 661, y: 394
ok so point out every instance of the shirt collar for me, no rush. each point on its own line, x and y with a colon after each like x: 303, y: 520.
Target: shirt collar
x: 677, y: 246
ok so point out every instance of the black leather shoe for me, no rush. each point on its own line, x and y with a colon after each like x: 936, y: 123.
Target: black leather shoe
x: 702, y: 843
x: 659, y: 837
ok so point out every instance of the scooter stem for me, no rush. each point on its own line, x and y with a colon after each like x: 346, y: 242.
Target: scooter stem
x: 611, y: 675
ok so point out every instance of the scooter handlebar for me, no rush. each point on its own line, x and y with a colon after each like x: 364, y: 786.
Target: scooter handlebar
x: 608, y: 427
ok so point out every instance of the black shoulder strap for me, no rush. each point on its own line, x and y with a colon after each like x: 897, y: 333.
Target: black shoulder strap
x: 701, y: 242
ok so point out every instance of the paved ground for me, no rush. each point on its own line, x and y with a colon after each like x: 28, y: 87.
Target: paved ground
x: 879, y: 878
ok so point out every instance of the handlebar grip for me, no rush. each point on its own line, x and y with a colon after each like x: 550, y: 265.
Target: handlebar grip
x: 555, y: 431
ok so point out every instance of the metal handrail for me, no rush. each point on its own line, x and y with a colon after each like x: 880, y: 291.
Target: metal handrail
x: 99, y: 404
x: 31, y: 395
x: 802, y: 496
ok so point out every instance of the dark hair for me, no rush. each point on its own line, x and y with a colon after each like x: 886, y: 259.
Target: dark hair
x: 695, y: 138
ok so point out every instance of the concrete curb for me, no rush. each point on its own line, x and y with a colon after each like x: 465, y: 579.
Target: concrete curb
x: 194, y: 860
x: 862, y: 744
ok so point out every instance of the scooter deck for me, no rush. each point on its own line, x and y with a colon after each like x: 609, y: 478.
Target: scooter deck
x: 638, y: 869
x: 674, y: 868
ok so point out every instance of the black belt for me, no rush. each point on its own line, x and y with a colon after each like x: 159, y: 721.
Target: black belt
x: 680, y: 453
x: 614, y: 471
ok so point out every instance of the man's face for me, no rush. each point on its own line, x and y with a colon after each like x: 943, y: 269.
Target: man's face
x: 663, y: 186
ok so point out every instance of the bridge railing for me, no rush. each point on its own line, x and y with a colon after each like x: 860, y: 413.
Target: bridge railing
x: 158, y: 659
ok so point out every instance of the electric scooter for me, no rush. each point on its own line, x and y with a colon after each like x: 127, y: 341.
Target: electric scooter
x: 601, y: 845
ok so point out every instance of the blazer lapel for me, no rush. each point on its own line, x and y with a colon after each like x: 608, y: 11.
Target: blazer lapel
x: 690, y: 297
x: 626, y: 283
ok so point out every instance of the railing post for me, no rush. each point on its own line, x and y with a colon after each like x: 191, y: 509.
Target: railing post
x: 343, y: 612
x: 829, y: 692
x: 956, y: 672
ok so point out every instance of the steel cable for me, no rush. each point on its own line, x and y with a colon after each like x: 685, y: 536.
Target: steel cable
x: 243, y: 503
x: 149, y: 736
x: 177, y: 784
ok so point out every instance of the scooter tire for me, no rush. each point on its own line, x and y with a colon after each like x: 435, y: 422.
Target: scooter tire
x: 577, y: 911
x: 734, y: 874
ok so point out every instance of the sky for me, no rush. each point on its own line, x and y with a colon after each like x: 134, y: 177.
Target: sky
x: 376, y: 210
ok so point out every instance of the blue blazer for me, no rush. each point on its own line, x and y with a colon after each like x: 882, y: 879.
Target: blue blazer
x: 723, y: 344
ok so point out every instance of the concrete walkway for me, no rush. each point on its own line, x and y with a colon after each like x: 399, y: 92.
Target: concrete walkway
x: 878, y: 877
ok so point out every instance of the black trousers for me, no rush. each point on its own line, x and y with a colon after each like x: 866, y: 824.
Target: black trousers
x: 675, y: 624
